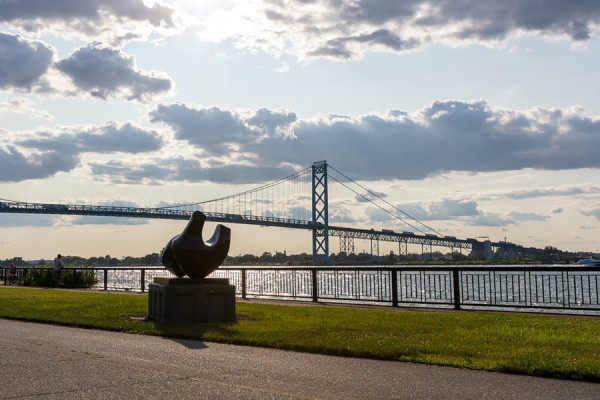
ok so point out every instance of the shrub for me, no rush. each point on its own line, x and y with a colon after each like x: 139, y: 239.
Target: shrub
x: 69, y: 277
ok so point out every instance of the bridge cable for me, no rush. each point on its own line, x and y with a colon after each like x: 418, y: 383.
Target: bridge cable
x: 251, y: 191
x: 386, y: 202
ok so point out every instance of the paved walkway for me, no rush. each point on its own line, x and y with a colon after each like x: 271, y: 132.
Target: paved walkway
x: 53, y: 362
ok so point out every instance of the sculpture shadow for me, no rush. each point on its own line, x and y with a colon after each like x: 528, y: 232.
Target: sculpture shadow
x: 181, y: 332
x: 189, y: 343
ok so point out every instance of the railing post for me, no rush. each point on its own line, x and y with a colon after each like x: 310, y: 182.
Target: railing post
x: 74, y: 277
x: 315, y: 289
x: 143, y: 280
x: 456, y: 287
x: 4, y: 275
x: 105, y: 279
x: 243, y: 284
x: 394, y: 288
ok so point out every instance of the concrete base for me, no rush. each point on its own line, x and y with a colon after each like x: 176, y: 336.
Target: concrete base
x: 191, y: 300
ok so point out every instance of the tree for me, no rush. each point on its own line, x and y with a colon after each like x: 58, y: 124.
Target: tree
x: 151, y: 259
x: 459, y: 257
x: 550, y: 251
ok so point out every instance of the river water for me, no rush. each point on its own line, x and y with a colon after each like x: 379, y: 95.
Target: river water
x: 481, y: 288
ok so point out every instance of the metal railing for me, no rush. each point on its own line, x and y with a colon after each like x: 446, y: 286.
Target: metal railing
x: 509, y: 287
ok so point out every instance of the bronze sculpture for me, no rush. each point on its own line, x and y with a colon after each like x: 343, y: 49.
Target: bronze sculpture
x: 188, y: 254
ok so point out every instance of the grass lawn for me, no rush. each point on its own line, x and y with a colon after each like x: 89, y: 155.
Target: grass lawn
x: 549, y: 346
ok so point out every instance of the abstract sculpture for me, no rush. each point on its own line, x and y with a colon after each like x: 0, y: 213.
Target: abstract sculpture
x: 187, y: 254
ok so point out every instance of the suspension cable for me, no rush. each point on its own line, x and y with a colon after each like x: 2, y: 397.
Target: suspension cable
x: 386, y: 202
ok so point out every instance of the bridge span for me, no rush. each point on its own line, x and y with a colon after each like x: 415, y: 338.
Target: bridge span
x: 299, y: 201
x: 346, y: 235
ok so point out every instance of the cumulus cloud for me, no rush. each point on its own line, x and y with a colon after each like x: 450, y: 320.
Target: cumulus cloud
x: 218, y: 131
x: 108, y: 138
x: 528, y: 216
x: 243, y: 146
x: 443, y: 137
x: 23, y: 62
x: 440, y: 210
x: 344, y: 30
x: 43, y: 153
x: 377, y: 215
x: 18, y: 166
x: 564, y: 190
x: 178, y: 169
x: 369, y: 196
x: 91, y: 220
x: 592, y: 213
x: 586, y: 228
x: 95, y: 70
x: 21, y: 220
x: 490, y: 219
x: 87, y: 18
x: 105, y: 72
x: 273, y: 122
x: 339, y: 215
x: 24, y: 106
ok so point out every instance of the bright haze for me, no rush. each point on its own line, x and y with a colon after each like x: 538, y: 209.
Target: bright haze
x: 477, y: 117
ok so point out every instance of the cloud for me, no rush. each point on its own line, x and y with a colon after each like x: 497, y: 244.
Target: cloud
x: 369, y: 196
x: 490, y: 219
x: 339, y: 215
x: 24, y: 106
x: 544, y: 192
x: 346, y: 30
x: 108, y: 138
x: 243, y: 146
x: 446, y: 136
x: 91, y: 220
x: 180, y: 169
x: 446, y: 209
x: 105, y: 72
x: 216, y: 130
x: 17, y: 166
x: 212, y: 129
x: 20, y: 220
x: 558, y: 210
x: 95, y: 70
x: 23, y: 62
x: 529, y: 216
x: 272, y: 122
x: 586, y: 228
x: 592, y: 213
x: 86, y: 18
x: 59, y: 150
x: 377, y: 215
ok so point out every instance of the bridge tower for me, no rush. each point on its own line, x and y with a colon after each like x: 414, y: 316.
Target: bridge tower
x: 320, y: 212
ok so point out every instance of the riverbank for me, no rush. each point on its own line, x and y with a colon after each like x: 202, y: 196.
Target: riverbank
x: 548, y: 346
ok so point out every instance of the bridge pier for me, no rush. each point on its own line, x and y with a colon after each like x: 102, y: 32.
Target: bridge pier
x: 403, y: 248
x: 429, y: 247
x: 347, y: 245
x: 374, y: 248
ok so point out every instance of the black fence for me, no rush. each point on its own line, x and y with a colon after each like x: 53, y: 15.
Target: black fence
x: 508, y: 287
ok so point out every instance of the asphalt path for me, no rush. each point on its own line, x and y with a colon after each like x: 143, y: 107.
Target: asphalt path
x: 54, y: 362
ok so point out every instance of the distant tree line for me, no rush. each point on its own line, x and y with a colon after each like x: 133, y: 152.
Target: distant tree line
x: 106, y: 261
x: 550, y: 255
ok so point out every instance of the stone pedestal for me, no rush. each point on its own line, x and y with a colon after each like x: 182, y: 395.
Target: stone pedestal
x: 191, y: 300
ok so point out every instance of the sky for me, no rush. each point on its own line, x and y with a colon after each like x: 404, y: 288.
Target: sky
x: 479, y: 118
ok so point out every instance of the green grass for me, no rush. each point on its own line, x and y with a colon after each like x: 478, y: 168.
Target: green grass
x: 549, y: 346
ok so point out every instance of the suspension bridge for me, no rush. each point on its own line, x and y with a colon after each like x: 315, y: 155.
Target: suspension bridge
x: 299, y: 201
